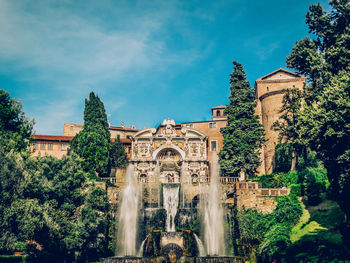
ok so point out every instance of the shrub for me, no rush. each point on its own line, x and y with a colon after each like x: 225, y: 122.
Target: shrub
x: 295, y: 189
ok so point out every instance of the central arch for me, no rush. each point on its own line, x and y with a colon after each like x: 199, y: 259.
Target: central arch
x: 175, y: 151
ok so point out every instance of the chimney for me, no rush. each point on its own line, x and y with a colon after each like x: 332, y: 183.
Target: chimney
x: 122, y: 124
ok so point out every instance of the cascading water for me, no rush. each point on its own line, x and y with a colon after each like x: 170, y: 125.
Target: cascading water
x: 213, y: 216
x: 200, y: 246
x: 128, y: 216
x: 170, y: 202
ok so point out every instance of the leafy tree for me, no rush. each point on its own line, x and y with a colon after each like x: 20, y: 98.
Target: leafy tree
x: 243, y: 134
x: 325, y: 119
x: 283, y: 157
x: 15, y: 127
x: 276, y: 242
x: 118, y: 154
x: 93, y: 142
x: 288, y: 210
x: 252, y: 228
x: 313, y: 190
x: 289, y: 123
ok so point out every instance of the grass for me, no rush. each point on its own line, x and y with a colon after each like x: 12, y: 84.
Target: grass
x: 321, y: 221
x: 316, y: 237
x: 305, y: 226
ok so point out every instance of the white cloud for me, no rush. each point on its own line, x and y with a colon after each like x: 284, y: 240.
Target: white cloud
x: 71, y: 53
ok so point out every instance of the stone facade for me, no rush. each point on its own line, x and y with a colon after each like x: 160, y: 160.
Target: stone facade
x: 269, y: 92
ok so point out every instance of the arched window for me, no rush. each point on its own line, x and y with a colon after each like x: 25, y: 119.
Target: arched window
x: 143, y: 178
x: 194, y: 179
x: 218, y: 113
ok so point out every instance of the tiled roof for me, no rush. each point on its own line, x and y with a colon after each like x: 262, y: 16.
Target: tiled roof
x: 52, y: 137
x: 42, y: 137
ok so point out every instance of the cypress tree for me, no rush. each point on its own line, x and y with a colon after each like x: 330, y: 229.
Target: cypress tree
x: 93, y: 142
x: 243, y: 134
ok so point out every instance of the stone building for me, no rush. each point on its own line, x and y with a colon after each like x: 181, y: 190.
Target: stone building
x: 183, y: 153
x: 269, y: 91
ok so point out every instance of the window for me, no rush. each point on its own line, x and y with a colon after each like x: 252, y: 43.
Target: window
x: 189, y: 125
x: 212, y: 124
x: 267, y: 88
x: 35, y: 146
x: 213, y: 146
x: 50, y: 146
x: 217, y: 113
x: 63, y: 146
x: 194, y: 179
x: 42, y: 146
x: 143, y: 178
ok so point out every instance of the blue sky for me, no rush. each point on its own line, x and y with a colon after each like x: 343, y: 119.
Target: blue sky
x: 147, y: 60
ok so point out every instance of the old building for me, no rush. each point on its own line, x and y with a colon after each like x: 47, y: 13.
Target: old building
x: 269, y: 91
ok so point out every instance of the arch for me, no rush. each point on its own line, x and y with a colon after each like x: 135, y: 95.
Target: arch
x: 148, y: 132
x: 143, y: 178
x: 194, y: 179
x: 172, y: 147
x: 188, y: 132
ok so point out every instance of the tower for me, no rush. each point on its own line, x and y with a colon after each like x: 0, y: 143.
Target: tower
x: 269, y: 92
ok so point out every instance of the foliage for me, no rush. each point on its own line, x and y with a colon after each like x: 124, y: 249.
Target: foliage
x: 243, y: 134
x: 278, y: 180
x: 313, y: 190
x: 276, y: 241
x: 289, y: 123
x: 93, y: 142
x: 325, y: 119
x: 157, y: 221
x: 288, y: 210
x: 283, y: 157
x: 118, y: 154
x: 295, y: 189
x: 53, y: 209
x: 15, y: 127
x: 268, y: 234
x: 316, y: 237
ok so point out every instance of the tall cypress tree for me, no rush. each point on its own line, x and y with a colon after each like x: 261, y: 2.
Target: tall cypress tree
x: 93, y: 142
x: 243, y: 134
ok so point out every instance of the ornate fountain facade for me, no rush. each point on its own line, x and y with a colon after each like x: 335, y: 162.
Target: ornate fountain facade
x: 182, y: 201
x: 170, y: 154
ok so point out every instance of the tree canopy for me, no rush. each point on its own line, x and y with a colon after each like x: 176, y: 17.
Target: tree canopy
x: 93, y: 142
x: 243, y: 134
x: 325, y: 60
x: 15, y: 127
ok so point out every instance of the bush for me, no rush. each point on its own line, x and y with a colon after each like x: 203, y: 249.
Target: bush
x: 288, y: 210
x: 295, y: 189
x: 278, y: 180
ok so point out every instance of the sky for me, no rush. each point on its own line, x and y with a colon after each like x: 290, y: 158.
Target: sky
x: 146, y: 60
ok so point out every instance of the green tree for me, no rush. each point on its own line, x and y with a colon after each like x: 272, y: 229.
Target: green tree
x: 243, y: 134
x: 283, y: 157
x: 276, y: 242
x: 118, y: 154
x: 252, y: 228
x: 15, y: 127
x: 289, y: 123
x: 93, y: 142
x: 325, y: 119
